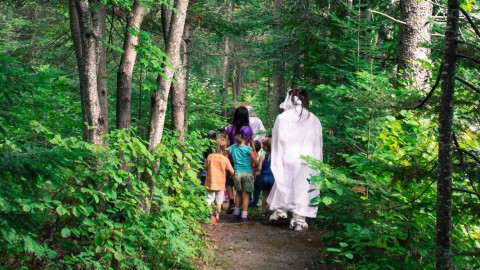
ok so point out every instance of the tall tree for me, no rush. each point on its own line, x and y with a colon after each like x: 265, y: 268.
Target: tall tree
x: 83, y: 33
x: 445, y: 131
x: 160, y: 97
x: 127, y: 62
x: 180, y: 86
x: 414, y: 31
x: 99, y: 17
x: 278, y: 68
x: 226, y: 62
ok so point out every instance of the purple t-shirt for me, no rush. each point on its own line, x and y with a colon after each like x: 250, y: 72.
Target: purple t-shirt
x: 231, y: 132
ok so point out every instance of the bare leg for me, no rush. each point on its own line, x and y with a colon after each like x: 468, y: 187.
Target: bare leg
x: 264, y: 201
x: 245, y: 200
x: 230, y: 192
x: 238, y: 199
x: 219, y: 208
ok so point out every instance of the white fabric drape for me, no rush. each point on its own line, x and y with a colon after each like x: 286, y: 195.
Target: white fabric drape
x: 296, y: 132
x: 257, y: 125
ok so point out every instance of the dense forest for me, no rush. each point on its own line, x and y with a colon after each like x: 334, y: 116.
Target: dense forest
x: 105, y: 106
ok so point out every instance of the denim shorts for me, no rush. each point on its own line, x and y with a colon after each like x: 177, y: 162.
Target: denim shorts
x: 229, y: 181
x: 266, y: 182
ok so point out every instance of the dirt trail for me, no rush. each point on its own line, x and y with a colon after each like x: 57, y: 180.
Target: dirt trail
x: 259, y: 244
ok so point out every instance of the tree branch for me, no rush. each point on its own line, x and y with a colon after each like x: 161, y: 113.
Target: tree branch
x: 435, y: 85
x: 468, y: 84
x: 471, y: 58
x: 467, y: 191
x: 472, y: 24
x: 469, y: 44
x: 385, y: 15
x: 455, y: 141
x: 470, y: 154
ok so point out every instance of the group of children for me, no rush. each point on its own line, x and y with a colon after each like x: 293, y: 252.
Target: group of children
x: 250, y: 172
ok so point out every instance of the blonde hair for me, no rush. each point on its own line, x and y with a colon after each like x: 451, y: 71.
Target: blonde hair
x: 221, y: 147
x: 267, y: 145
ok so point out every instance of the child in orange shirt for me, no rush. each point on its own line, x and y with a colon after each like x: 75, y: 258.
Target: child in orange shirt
x: 217, y: 164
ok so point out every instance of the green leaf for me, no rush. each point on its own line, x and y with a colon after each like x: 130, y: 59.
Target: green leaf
x: 334, y: 249
x: 177, y: 153
x: 343, y: 244
x: 327, y: 200
x: 61, y: 210
x: 66, y: 232
x: 27, y: 208
x: 349, y: 255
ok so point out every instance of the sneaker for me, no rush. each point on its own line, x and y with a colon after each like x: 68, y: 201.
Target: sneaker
x: 277, y: 215
x: 301, y: 227
x: 244, y: 219
x: 298, y: 225
x: 236, y: 217
x: 231, y: 208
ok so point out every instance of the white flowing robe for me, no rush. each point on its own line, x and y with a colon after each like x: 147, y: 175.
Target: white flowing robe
x: 293, y: 136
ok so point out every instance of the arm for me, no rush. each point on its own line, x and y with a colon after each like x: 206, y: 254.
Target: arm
x: 253, y: 158
x: 206, y: 162
x: 230, y: 168
x: 260, y: 163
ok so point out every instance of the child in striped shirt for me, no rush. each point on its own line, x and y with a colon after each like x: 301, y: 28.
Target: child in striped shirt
x: 217, y: 164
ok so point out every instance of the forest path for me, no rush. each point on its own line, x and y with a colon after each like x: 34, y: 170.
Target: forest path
x: 259, y: 244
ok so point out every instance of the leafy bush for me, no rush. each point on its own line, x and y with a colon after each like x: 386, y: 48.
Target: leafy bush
x: 67, y: 204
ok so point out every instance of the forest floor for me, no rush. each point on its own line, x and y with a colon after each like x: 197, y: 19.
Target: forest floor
x: 260, y: 244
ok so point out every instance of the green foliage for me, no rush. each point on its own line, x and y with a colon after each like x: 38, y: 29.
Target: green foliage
x: 205, y: 107
x: 84, y: 208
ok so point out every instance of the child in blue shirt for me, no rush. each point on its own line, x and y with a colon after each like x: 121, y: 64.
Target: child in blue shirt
x: 243, y: 157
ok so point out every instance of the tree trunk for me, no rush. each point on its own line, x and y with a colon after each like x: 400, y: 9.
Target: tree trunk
x: 100, y: 28
x: 160, y: 98
x: 235, y: 80
x: 88, y: 74
x: 127, y: 63
x: 179, y: 88
x: 278, y: 70
x: 226, y: 75
x: 445, y: 132
x: 166, y: 19
x: 77, y: 45
x: 415, y: 31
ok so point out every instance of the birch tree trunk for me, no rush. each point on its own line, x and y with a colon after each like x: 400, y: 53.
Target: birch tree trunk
x: 415, y: 31
x: 88, y: 72
x: 179, y: 88
x: 100, y: 28
x: 160, y: 98
x: 445, y: 132
x: 127, y: 63
x: 226, y: 75
x: 226, y: 63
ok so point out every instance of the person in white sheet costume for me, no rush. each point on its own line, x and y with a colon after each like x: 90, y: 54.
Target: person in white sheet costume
x: 296, y: 132
x: 256, y: 125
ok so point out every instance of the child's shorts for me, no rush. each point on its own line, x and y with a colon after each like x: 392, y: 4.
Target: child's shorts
x: 244, y: 181
x: 229, y: 182
x: 266, y: 182
x: 214, y: 195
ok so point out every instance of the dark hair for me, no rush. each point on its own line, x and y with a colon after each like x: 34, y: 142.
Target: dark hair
x: 302, y: 95
x: 240, y: 118
x: 212, y: 134
x: 258, y: 145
